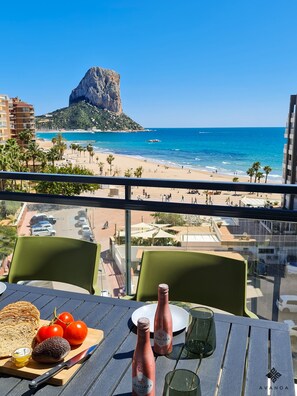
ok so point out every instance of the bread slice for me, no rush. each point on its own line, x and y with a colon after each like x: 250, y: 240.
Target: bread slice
x: 19, y: 323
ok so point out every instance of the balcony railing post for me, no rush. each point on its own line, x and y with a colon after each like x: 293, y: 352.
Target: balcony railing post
x: 128, y: 241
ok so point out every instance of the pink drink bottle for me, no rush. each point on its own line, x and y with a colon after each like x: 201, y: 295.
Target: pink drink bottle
x: 143, y: 363
x: 163, y: 322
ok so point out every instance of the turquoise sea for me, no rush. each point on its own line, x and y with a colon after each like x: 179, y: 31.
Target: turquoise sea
x: 227, y: 150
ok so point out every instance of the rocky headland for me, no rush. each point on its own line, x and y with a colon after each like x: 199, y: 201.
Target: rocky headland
x: 95, y: 104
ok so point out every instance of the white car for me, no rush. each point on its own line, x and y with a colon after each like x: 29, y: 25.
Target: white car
x: 85, y: 227
x: 292, y: 267
x: 287, y: 303
x: 82, y: 221
x: 292, y: 327
x: 43, y: 224
x: 40, y: 231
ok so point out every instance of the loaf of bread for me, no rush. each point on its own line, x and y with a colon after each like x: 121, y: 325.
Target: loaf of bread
x: 19, y: 323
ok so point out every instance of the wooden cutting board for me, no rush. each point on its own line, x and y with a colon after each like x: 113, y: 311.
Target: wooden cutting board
x: 34, y: 369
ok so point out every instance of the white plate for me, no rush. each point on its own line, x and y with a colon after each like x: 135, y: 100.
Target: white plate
x: 2, y: 287
x: 180, y: 316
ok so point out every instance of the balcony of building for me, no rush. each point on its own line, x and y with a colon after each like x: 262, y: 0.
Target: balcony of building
x: 121, y: 215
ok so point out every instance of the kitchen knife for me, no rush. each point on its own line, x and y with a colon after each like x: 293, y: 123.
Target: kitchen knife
x: 61, y: 366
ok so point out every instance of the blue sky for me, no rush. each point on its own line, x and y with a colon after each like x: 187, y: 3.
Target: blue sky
x: 182, y: 63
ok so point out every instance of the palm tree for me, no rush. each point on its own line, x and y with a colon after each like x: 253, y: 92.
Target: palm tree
x: 267, y: 170
x: 128, y: 172
x: 256, y: 166
x: 101, y: 166
x: 25, y: 136
x: 250, y: 172
x: 90, y: 150
x: 53, y: 155
x: 259, y: 176
x: 109, y: 160
x: 138, y: 172
x: 34, y: 152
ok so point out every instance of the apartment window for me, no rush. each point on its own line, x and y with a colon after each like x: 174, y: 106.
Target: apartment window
x: 265, y: 251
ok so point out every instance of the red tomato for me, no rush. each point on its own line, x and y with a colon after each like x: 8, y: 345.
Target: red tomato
x: 64, y: 319
x: 76, y: 332
x: 49, y: 331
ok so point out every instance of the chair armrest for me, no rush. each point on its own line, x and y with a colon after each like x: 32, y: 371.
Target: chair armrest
x: 250, y: 314
x: 4, y: 278
x: 129, y: 297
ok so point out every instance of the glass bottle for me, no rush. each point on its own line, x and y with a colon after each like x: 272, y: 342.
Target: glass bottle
x: 143, y: 363
x: 163, y: 322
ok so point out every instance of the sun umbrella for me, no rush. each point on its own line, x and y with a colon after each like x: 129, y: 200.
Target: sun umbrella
x: 142, y: 226
x: 163, y: 234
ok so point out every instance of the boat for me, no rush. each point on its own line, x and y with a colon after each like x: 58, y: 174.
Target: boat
x: 153, y: 140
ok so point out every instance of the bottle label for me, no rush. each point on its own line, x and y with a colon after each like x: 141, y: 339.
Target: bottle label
x: 141, y: 384
x: 161, y: 338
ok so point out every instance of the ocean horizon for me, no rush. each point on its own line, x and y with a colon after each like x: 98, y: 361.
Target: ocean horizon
x: 228, y: 151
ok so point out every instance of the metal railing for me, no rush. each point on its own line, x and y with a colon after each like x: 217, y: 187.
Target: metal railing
x: 128, y: 204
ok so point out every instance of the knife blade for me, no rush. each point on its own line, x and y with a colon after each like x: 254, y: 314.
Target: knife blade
x: 61, y: 366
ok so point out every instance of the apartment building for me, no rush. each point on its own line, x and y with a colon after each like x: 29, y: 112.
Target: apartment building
x: 290, y: 154
x: 4, y: 118
x: 15, y: 116
x: 21, y: 117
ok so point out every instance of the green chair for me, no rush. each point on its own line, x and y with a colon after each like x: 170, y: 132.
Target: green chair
x: 195, y: 277
x: 57, y: 259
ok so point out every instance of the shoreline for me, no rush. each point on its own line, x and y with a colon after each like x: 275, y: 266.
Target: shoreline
x: 160, y: 168
x: 151, y: 168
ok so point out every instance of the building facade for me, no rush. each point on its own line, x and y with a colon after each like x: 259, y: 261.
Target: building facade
x: 290, y: 154
x: 21, y: 117
x: 4, y: 118
x: 15, y: 117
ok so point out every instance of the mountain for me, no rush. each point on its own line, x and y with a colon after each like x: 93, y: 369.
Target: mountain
x: 83, y: 115
x: 94, y: 104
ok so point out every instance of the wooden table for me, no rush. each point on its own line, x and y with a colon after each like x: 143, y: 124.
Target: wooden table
x: 247, y: 350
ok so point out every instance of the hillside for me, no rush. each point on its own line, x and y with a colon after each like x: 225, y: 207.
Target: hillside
x: 83, y: 115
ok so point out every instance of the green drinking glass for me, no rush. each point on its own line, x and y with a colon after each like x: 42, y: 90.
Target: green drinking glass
x: 201, y: 333
x: 181, y: 382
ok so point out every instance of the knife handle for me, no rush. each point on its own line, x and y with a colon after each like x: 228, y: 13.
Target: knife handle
x: 44, y: 377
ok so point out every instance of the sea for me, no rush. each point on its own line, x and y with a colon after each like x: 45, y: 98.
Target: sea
x: 228, y: 151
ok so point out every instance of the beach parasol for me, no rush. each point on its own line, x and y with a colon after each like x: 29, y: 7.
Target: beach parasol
x: 160, y: 225
x: 142, y: 226
x: 163, y: 234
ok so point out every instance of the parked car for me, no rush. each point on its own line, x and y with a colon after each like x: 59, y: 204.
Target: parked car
x: 287, y: 303
x: 43, y: 224
x: 42, y: 217
x: 41, y: 231
x: 292, y: 267
x: 292, y: 327
x: 85, y: 227
x: 82, y: 221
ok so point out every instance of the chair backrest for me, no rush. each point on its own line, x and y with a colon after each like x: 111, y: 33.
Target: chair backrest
x: 57, y: 259
x: 195, y: 277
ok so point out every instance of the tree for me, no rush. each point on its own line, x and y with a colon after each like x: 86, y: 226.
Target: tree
x: 256, y: 166
x: 267, y: 170
x: 109, y: 160
x: 90, y: 150
x: 62, y: 188
x: 138, y: 172
x: 25, y: 136
x: 250, y: 172
x: 101, y: 167
x: 8, y: 236
x: 169, y: 218
x: 53, y: 155
x: 259, y: 176
x: 128, y: 172
x: 34, y: 153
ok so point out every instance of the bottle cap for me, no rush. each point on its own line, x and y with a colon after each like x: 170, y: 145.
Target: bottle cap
x: 143, y: 324
x: 163, y: 287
